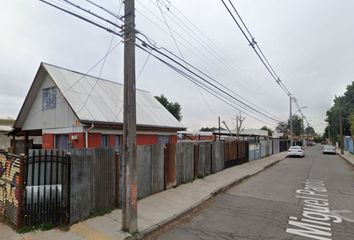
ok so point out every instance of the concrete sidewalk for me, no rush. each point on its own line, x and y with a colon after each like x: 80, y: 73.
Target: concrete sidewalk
x: 349, y: 157
x: 153, y: 211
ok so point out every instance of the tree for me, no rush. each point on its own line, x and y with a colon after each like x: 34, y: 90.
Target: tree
x: 239, y: 121
x: 344, y: 104
x: 270, y: 131
x: 173, y: 107
x: 282, y: 127
x: 210, y: 129
x: 310, y: 130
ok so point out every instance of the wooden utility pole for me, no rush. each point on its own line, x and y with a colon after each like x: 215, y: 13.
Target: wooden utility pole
x: 341, y: 132
x: 291, y: 123
x: 130, y: 191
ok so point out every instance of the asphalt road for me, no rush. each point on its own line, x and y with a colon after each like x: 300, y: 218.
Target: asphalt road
x: 268, y: 206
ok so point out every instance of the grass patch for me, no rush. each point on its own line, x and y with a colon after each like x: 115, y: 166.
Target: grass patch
x: 42, y: 227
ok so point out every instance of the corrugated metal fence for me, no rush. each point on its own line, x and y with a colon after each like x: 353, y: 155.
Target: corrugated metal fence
x: 266, y: 148
x: 93, y: 182
x: 69, y: 187
x: 348, y: 144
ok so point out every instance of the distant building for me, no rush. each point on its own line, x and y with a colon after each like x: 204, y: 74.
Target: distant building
x: 5, y: 129
x: 191, y: 135
x: 69, y: 109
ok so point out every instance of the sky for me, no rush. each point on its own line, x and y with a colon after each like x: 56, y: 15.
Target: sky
x: 308, y: 43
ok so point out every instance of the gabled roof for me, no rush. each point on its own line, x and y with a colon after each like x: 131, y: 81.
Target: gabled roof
x: 99, y: 101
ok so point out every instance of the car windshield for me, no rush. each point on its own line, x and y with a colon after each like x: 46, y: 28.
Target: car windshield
x: 294, y: 148
x: 329, y: 147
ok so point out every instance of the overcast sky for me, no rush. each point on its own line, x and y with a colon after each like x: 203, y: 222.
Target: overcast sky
x: 308, y: 42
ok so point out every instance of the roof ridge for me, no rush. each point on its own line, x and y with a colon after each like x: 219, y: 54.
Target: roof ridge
x: 88, y: 75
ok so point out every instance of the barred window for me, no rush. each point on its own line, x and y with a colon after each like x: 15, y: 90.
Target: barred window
x: 49, y: 100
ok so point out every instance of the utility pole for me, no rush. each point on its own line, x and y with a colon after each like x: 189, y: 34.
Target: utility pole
x: 130, y: 203
x: 219, y: 126
x: 237, y: 129
x: 341, y: 132
x: 291, y: 122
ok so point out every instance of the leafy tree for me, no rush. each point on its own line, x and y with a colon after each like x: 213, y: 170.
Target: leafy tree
x: 344, y: 104
x: 208, y: 129
x: 173, y: 107
x: 270, y: 131
x: 309, y: 130
x: 282, y: 127
x: 297, y: 125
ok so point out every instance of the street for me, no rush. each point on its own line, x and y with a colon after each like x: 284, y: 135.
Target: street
x: 283, y: 202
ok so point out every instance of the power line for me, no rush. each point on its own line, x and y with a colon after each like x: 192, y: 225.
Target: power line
x: 146, y: 45
x: 256, y: 47
x: 200, y: 40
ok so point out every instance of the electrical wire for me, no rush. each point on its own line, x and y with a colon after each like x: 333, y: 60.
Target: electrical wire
x: 146, y: 45
x: 256, y: 47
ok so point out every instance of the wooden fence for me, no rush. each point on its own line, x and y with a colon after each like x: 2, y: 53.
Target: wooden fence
x: 93, y: 182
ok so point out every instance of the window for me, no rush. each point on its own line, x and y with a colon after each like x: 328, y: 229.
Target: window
x: 61, y: 142
x: 104, y: 140
x: 161, y: 139
x: 117, y: 140
x: 49, y: 98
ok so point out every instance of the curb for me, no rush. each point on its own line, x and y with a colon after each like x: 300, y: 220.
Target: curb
x: 194, y: 207
x: 346, y: 159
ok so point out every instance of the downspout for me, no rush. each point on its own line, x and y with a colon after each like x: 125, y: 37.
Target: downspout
x: 86, y: 134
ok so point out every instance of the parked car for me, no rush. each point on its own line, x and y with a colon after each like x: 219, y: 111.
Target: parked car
x: 329, y: 149
x: 296, y: 151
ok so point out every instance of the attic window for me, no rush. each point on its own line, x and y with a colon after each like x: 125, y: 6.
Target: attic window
x: 49, y: 100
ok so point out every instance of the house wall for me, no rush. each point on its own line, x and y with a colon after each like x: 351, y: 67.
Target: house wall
x: 60, y: 117
x: 94, y: 139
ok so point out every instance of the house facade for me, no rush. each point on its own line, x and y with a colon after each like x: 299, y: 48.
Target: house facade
x: 74, y: 110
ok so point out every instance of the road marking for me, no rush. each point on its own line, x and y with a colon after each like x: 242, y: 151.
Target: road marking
x: 338, y: 214
x: 316, y: 218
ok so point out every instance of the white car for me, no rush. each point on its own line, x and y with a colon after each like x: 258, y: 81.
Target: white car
x: 329, y: 149
x: 296, y: 151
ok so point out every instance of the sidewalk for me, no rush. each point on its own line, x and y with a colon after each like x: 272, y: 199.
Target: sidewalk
x: 347, y: 156
x: 153, y: 211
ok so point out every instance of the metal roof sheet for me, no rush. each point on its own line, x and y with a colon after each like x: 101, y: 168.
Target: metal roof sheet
x: 5, y: 128
x: 97, y: 100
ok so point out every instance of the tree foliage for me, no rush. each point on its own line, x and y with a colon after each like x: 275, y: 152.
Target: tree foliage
x: 345, y: 104
x: 270, y: 131
x: 173, y: 107
x: 209, y: 129
x: 309, y: 130
x: 282, y: 127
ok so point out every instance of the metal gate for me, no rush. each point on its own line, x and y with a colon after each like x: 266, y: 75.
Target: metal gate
x: 47, y: 181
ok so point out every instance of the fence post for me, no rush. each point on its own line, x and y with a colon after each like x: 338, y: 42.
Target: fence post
x: 196, y: 160
x: 68, y: 159
x: 117, y: 162
x: 21, y: 202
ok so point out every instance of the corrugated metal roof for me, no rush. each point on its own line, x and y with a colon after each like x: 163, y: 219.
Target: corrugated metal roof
x: 5, y: 128
x: 98, y: 100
